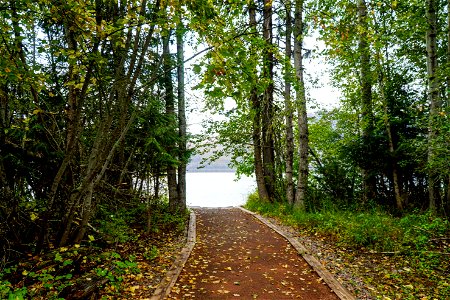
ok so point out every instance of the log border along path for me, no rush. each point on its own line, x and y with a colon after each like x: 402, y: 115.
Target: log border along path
x: 169, y: 283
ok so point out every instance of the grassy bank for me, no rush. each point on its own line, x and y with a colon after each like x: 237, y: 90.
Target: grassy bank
x: 398, y: 258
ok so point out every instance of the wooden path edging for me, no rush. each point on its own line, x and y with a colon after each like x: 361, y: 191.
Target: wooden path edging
x: 327, y: 277
x: 166, y: 284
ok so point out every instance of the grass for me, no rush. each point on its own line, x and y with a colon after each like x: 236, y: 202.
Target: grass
x: 375, y: 229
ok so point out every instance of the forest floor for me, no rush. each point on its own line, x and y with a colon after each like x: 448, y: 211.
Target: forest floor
x: 95, y: 270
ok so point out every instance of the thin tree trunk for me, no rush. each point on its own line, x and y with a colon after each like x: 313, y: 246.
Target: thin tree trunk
x: 289, y: 109
x: 97, y: 176
x: 448, y: 53
x: 396, y: 177
x: 255, y: 104
x: 181, y: 118
x: 399, y: 196
x: 79, y: 193
x: 398, y: 191
x: 369, y: 183
x: 433, y: 99
x: 170, y: 111
x: 257, y: 145
x: 267, y: 105
x: 447, y: 198
x: 303, y: 139
x: 157, y: 185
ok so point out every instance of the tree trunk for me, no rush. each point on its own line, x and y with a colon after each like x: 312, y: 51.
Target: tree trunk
x: 255, y: 104
x: 302, y: 184
x: 257, y: 153
x: 369, y: 183
x: 447, y: 198
x: 289, y: 109
x: 170, y: 111
x: 433, y: 99
x: 398, y: 191
x: 267, y: 105
x: 181, y: 119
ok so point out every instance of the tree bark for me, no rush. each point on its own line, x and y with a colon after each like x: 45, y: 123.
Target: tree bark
x: 303, y: 139
x: 255, y: 104
x: 369, y: 183
x: 98, y: 175
x: 447, y: 198
x: 110, y: 134
x: 267, y: 105
x: 396, y: 178
x: 170, y: 111
x: 289, y: 109
x: 433, y: 99
x: 181, y: 119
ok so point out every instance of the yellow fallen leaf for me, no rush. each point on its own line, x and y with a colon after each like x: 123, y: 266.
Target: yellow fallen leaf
x: 228, y: 268
x: 133, y: 288
x: 409, y: 286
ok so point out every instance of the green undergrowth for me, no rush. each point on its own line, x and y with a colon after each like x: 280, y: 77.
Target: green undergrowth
x: 399, y: 257
x: 117, y: 246
x: 374, y: 229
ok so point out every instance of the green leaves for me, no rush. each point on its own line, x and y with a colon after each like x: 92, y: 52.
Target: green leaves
x: 197, y: 68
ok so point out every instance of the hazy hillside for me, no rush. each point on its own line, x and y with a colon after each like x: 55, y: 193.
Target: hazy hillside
x: 220, y: 165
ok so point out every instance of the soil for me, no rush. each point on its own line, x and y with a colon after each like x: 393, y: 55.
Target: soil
x: 236, y: 256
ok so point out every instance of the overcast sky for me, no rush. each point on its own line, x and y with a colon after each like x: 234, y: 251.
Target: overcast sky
x: 320, y: 94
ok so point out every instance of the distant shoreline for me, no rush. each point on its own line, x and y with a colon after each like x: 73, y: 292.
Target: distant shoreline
x: 211, y: 171
x: 198, y: 164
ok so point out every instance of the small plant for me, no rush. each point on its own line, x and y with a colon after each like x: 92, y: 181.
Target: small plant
x: 8, y: 292
x: 117, y: 229
x: 152, y: 253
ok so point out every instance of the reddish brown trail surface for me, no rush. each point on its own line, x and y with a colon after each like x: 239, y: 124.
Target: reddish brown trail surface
x: 238, y: 257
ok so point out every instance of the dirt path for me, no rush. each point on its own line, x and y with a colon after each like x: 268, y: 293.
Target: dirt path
x: 236, y: 256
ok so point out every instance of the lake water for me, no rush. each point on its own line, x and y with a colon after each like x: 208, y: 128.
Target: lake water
x: 217, y: 189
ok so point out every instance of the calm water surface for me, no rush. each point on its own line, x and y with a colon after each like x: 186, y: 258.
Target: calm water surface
x: 209, y: 189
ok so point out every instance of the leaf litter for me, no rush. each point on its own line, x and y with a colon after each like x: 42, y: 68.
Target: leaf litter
x: 236, y: 256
